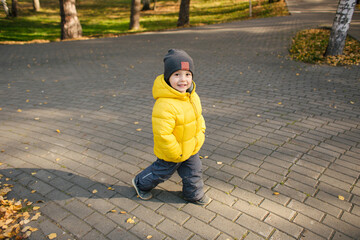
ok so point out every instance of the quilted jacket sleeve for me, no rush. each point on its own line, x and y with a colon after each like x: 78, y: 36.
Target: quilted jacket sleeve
x: 166, y: 146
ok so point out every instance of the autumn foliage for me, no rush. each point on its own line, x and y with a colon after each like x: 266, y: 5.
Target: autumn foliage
x: 310, y: 46
x: 14, y: 215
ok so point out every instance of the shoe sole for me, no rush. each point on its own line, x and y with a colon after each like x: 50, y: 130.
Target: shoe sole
x: 137, y: 190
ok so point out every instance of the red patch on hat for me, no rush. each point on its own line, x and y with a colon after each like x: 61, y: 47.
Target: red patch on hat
x: 185, y: 66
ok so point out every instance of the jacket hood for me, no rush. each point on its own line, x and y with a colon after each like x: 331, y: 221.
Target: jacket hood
x: 162, y: 90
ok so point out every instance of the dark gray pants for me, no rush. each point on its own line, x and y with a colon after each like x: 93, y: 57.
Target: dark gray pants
x: 159, y: 171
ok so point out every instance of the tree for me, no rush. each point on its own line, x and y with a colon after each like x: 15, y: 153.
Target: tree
x: 36, y: 4
x: 6, y: 9
x: 146, y: 5
x: 70, y: 24
x: 340, y: 27
x: 184, y: 13
x: 135, y: 15
x: 14, y: 7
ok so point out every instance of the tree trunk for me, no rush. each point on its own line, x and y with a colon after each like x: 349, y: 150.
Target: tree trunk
x: 184, y: 13
x: 340, y: 27
x: 70, y: 24
x: 36, y: 4
x: 154, y: 5
x: 135, y: 15
x: 14, y: 7
x: 146, y: 5
x: 6, y: 9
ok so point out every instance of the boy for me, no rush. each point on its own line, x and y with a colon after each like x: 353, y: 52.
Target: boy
x: 178, y: 128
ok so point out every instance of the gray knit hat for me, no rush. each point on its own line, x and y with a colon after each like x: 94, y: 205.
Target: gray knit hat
x: 175, y: 60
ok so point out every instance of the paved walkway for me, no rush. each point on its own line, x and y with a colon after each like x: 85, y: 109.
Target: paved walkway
x: 273, y: 126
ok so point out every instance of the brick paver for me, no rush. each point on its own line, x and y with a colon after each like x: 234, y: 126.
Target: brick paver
x: 281, y: 158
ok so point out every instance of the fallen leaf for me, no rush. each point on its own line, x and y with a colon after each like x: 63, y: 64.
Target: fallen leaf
x: 27, y: 100
x: 36, y: 208
x: 200, y: 157
x: 148, y: 237
x: 19, y: 110
x: 113, y: 211
x: 130, y: 220
x: 52, y: 235
x: 341, y: 198
x: 276, y: 193
x: 110, y: 188
x: 57, y: 130
x: 122, y: 212
x: 279, y: 103
x: 33, y: 173
x: 219, y: 163
x: 36, y: 217
x: 58, y: 159
x: 33, y: 191
x: 206, y: 157
x: 352, y: 102
x: 139, y: 129
x: 37, y: 119
x: 136, y: 123
x: 0, y: 109
x: 94, y: 191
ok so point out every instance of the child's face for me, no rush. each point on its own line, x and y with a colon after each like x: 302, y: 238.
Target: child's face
x: 181, y: 80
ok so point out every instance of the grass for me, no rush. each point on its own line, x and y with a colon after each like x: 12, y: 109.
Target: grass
x: 101, y: 18
x: 310, y: 45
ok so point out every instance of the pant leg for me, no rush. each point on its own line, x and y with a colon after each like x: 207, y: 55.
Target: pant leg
x: 156, y: 173
x: 191, y: 173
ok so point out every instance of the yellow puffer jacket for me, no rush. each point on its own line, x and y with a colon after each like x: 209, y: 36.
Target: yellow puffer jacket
x: 177, y: 122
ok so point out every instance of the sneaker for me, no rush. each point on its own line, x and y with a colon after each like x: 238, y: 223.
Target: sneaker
x: 144, y: 195
x: 202, y: 201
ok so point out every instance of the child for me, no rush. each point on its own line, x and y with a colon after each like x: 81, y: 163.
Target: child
x: 178, y: 128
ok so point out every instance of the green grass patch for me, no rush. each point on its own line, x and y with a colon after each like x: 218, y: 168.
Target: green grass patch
x: 101, y: 18
x: 310, y: 46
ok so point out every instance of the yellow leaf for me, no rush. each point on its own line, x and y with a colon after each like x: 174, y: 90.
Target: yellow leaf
x: 148, y: 237
x: 136, y: 123
x: 94, y: 191
x: 130, y: 220
x: 33, y: 191
x: 0, y: 109
x: 219, y: 163
x: 33, y: 229
x: 57, y: 130
x: 37, y: 119
x: 52, y: 235
x: 2, y: 150
x: 58, y: 159
x: 200, y: 157
x: 114, y: 211
x: 27, y: 100
x: 36, y: 217
x: 276, y: 193
x: 341, y: 198
x: 110, y: 188
x: 279, y: 103
x: 123, y: 212
x: 352, y: 102
x: 27, y: 90
x: 19, y: 110
x: 33, y: 173
x: 139, y: 129
x: 206, y: 157
x: 36, y: 208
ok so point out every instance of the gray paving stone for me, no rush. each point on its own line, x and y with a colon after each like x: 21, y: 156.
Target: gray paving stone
x: 255, y: 225
x: 313, y: 226
x: 283, y: 225
x: 228, y: 227
x: 174, y: 230
x: 199, y: 212
x: 202, y: 229
x: 342, y: 226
